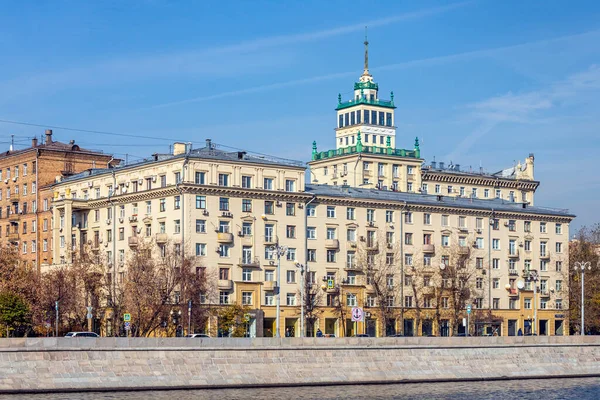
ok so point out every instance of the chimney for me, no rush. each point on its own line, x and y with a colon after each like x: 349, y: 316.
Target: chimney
x: 441, y: 165
x: 71, y: 141
x: 433, y: 164
x: 457, y: 167
x: 209, y: 144
x: 34, y: 142
x: 179, y: 148
x: 48, y: 136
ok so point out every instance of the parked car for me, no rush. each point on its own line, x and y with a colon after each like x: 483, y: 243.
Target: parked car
x: 462, y: 334
x: 329, y: 335
x: 362, y: 335
x: 82, y: 334
x: 396, y: 335
x: 197, y: 335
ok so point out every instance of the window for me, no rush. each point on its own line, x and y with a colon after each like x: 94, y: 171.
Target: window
x: 527, y: 304
x: 177, y: 202
x: 247, y: 228
x: 312, y: 255
x: 247, y: 275
x: 495, y: 303
x: 351, y: 235
x: 512, y: 225
x: 200, y: 202
x: 424, y: 188
x: 223, y: 204
x: 462, y: 222
x: 558, y: 229
x: 331, y: 233
x: 290, y: 299
x: 445, y: 220
x: 200, y: 249
x: 351, y: 300
x: 543, y: 246
x: 331, y: 256
x: 290, y: 185
x: 408, y: 217
x: 408, y: 301
x: 527, y: 226
x: 350, y: 213
x: 223, y: 250
x: 269, y: 207
x: 311, y: 211
x: 200, y: 178
x: 445, y: 240
x: 246, y: 182
x: 162, y: 205
x: 558, y: 304
x: 223, y: 297
x: 290, y: 209
x: 409, y: 187
x: 177, y: 224
x: 486, y: 193
x: 269, y: 299
x: 427, y: 219
x: 330, y: 212
x: 291, y: 254
x: 200, y: 226
x: 290, y: 231
x: 495, y: 263
x: 558, y: 266
x: 527, y: 245
x: 408, y: 238
x: 370, y: 215
x: 247, y: 298
x: 558, y: 247
x: 246, y: 205
x: 311, y: 232
x: 543, y: 265
x: 479, y: 243
x: 268, y: 183
x: 498, y: 193
x: 224, y: 226
x: 223, y: 179
x: 542, y: 227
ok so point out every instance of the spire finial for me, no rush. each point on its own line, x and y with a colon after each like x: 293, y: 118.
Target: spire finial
x: 366, y: 72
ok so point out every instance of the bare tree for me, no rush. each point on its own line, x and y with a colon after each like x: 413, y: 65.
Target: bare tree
x: 313, y: 304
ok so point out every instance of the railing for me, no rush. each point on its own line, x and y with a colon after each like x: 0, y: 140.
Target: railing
x: 133, y: 241
x: 250, y: 261
x: 13, y: 237
x: 224, y: 237
x: 366, y: 149
x: 332, y: 244
x: 365, y: 100
x: 161, y: 238
x: 226, y: 284
x: 429, y: 248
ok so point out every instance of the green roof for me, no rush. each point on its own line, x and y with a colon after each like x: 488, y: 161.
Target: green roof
x: 376, y: 102
x: 366, y: 85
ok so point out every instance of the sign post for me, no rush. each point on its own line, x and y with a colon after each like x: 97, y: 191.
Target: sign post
x: 468, y: 319
x: 89, y: 317
x: 127, y: 320
x: 357, y: 316
x: 56, y: 322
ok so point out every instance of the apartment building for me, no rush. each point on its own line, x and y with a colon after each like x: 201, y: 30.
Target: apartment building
x: 24, y: 199
x: 230, y: 208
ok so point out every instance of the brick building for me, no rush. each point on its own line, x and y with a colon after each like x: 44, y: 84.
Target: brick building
x: 25, y: 216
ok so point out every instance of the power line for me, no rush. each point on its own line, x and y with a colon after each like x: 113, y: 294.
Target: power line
x: 88, y: 131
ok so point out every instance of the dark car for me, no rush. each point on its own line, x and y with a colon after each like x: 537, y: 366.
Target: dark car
x: 362, y: 335
x: 462, y: 334
x: 396, y: 335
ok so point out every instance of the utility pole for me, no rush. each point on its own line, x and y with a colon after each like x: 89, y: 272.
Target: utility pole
x: 56, y: 320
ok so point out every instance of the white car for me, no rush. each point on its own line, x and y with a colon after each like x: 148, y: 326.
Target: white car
x: 197, y: 335
x: 82, y: 334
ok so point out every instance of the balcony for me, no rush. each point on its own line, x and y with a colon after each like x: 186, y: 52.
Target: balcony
x: 270, y: 239
x: 269, y: 285
x: 224, y: 237
x: 133, y: 241
x: 14, y: 217
x: 429, y: 248
x: 513, y: 253
x: 246, y: 240
x: 428, y: 290
x: 513, y: 272
x: 250, y: 262
x: 13, y: 237
x: 15, y: 198
x: 225, y: 284
x: 544, y: 293
x: 332, y: 244
x: 334, y: 289
x: 352, y: 244
x: 351, y: 266
x: 161, y: 238
x: 463, y: 250
x: 513, y: 292
x: 545, y: 255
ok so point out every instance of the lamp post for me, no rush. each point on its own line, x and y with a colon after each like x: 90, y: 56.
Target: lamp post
x: 533, y: 277
x: 175, y: 317
x: 302, y: 269
x: 281, y: 251
x: 581, y: 266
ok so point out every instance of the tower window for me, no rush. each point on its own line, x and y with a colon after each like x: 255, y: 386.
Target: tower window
x: 341, y: 121
x: 381, y: 118
x: 346, y: 140
x: 372, y: 97
x: 374, y: 117
x: 352, y: 118
x: 358, y: 117
x: 388, y: 119
x: 366, y: 112
x: 346, y: 119
x: 366, y: 138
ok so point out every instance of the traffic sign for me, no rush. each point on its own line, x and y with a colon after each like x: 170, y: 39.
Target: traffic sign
x: 330, y: 284
x: 127, y: 326
x: 126, y: 317
x: 469, y: 309
x: 89, y: 316
x: 89, y: 309
x: 357, y: 314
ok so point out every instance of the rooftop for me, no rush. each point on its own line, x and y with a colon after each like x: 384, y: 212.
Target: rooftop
x: 425, y: 199
x: 52, y: 145
x: 364, y: 100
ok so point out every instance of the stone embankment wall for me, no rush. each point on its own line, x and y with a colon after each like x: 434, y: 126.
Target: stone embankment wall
x: 48, y: 364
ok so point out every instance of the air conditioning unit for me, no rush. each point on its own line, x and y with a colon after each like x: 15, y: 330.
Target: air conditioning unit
x: 140, y: 181
x: 121, y: 220
x: 205, y: 213
x: 108, y: 222
x: 325, y: 278
x: 362, y: 238
x: 301, y: 205
x: 154, y: 178
x: 479, y: 231
x: 271, y: 262
x: 124, y: 190
x: 506, y: 224
x: 371, y: 223
x: 78, y: 226
x: 90, y: 184
x: 353, y: 245
x: 278, y: 204
x: 15, y: 179
x: 106, y: 244
x: 126, y: 184
x: 6, y: 180
x: 483, y: 272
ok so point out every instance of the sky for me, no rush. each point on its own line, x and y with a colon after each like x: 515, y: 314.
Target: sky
x: 481, y: 83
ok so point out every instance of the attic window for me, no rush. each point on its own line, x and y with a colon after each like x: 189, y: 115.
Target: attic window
x: 75, y: 148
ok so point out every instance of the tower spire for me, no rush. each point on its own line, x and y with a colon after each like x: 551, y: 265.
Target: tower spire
x: 366, y: 71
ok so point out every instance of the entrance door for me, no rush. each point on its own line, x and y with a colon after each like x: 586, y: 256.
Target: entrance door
x: 250, y: 328
x: 558, y: 327
x: 512, y: 327
x: 330, y: 326
x: 409, y: 327
x: 527, y: 327
x: 445, y: 328
x: 543, y: 327
x: 372, y: 327
x: 290, y: 327
x: 269, y: 327
x: 390, y: 328
x: 427, y: 327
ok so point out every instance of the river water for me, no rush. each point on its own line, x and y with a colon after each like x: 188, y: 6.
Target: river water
x: 542, y: 389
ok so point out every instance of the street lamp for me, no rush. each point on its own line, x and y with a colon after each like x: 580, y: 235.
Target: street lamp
x: 302, y: 269
x: 533, y: 277
x: 281, y: 251
x: 176, y: 316
x: 581, y: 266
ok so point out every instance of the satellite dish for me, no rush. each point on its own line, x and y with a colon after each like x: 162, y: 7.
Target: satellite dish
x: 442, y: 266
x: 507, y: 286
x: 520, y: 284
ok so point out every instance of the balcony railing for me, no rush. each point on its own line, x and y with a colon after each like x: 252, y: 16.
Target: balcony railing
x: 14, y: 217
x: 514, y: 253
x: 323, y: 155
x: 513, y: 272
x: 428, y: 248
x: 365, y: 100
x: 270, y: 239
x: 332, y: 244
x: 161, y: 238
x: 13, y: 237
x: 224, y: 237
x: 225, y: 284
x: 250, y: 261
x: 133, y: 241
x: 269, y: 285
x: 351, y: 265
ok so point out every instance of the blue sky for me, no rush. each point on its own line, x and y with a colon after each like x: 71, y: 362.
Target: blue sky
x: 479, y: 82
